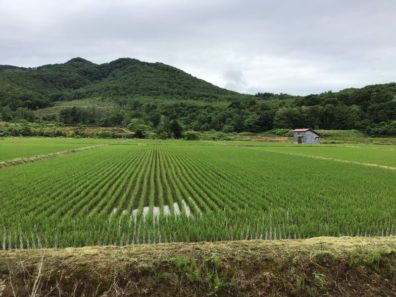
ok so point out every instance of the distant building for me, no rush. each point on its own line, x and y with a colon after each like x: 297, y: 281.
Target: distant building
x: 305, y: 135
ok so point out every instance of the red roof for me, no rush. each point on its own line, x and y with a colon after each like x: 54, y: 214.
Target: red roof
x: 305, y: 130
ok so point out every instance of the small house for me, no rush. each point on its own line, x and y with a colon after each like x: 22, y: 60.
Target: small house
x: 305, y: 135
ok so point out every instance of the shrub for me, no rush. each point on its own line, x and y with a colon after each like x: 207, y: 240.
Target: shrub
x: 191, y: 135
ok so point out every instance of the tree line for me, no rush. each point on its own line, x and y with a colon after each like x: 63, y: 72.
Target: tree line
x: 371, y: 109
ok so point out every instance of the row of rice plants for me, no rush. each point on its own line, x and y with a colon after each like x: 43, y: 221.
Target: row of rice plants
x: 23, y: 183
x: 166, y: 191
x: 225, y: 225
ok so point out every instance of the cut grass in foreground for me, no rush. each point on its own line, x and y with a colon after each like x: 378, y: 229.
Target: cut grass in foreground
x: 322, y: 266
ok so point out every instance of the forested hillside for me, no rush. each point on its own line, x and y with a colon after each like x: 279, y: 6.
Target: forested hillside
x: 154, y: 96
x: 78, y: 78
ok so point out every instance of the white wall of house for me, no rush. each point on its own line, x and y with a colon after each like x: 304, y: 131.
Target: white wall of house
x: 307, y: 137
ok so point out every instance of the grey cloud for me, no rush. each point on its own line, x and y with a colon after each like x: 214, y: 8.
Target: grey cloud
x: 234, y: 80
x: 280, y: 46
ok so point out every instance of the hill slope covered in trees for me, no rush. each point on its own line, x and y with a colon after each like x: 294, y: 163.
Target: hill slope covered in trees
x: 79, y: 78
x: 148, y: 96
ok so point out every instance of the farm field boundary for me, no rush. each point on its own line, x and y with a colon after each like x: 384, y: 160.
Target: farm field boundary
x: 23, y: 160
x: 321, y: 266
x: 332, y: 159
x: 170, y: 191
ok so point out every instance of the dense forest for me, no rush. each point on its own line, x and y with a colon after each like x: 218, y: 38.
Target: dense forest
x: 154, y: 97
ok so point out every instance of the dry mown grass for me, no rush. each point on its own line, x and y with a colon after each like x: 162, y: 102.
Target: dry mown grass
x: 312, y: 267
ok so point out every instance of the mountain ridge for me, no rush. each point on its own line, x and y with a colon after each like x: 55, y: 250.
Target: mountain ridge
x: 79, y: 78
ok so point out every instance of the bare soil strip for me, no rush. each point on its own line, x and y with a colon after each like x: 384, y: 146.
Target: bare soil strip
x: 322, y: 266
x: 35, y: 158
x: 335, y: 160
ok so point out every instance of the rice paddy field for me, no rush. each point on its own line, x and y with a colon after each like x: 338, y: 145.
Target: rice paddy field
x: 13, y: 148
x: 151, y: 191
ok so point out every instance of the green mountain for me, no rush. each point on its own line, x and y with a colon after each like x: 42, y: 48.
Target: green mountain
x: 78, y: 79
x: 131, y: 93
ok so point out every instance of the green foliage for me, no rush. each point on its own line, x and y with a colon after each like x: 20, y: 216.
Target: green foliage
x: 149, y: 91
x: 191, y: 135
x: 383, y: 128
x: 281, y: 132
x: 175, y: 129
x: 139, y: 127
x: 24, y: 128
x: 38, y: 87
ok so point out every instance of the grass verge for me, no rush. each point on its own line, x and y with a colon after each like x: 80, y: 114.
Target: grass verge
x: 346, y: 266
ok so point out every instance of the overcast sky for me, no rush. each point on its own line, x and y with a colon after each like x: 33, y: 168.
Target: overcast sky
x: 298, y: 47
